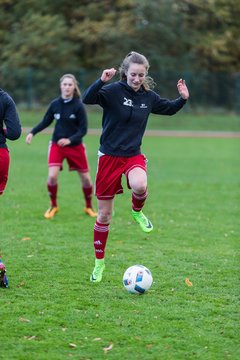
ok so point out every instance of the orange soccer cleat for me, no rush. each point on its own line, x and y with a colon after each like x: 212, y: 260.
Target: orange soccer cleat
x: 50, y: 213
x: 90, y: 212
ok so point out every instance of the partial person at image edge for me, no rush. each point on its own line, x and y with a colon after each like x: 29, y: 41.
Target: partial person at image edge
x: 10, y: 129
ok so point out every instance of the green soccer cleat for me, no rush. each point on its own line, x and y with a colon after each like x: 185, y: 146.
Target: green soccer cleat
x: 96, y: 275
x: 143, y: 221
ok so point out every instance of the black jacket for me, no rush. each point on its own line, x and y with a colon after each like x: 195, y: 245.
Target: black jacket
x: 70, y: 120
x: 10, y: 127
x: 125, y: 114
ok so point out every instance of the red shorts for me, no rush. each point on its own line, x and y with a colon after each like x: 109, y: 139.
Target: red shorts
x: 75, y: 155
x: 4, y: 166
x: 109, y: 174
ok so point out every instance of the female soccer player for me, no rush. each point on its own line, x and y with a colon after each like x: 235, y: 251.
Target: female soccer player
x: 10, y: 128
x: 70, y: 127
x: 126, y: 107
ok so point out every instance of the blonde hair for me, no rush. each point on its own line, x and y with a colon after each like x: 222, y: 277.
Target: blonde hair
x: 136, y: 58
x: 77, y: 92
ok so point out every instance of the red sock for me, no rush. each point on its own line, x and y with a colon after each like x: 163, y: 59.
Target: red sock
x: 100, y: 239
x: 138, y: 200
x: 52, y: 192
x: 87, y: 191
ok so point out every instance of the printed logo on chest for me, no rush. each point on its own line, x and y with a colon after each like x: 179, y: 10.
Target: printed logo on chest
x: 57, y: 116
x: 129, y: 102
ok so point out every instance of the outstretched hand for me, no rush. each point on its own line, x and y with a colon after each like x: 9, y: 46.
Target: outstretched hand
x: 108, y: 74
x: 182, y: 89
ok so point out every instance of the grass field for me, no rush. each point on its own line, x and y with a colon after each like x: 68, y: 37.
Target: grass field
x: 51, y: 310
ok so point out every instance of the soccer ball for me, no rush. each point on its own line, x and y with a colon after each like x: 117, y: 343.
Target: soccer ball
x: 137, y: 279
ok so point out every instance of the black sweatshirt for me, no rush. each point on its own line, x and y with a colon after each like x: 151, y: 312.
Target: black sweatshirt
x: 10, y: 127
x: 70, y: 120
x: 125, y: 114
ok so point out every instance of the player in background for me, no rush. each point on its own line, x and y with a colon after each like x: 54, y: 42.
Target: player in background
x: 10, y: 128
x: 126, y: 107
x: 70, y: 118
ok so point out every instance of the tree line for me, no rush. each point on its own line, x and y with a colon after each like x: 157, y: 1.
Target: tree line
x: 188, y: 35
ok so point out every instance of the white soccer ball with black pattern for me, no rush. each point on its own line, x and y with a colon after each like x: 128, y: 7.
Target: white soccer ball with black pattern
x: 137, y: 279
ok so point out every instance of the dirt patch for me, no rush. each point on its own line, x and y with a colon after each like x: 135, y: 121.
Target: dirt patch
x: 167, y: 133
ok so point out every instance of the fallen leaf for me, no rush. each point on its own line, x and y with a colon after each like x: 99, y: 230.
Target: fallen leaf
x: 97, y: 339
x: 30, y: 337
x: 106, y: 349
x: 72, y: 345
x: 188, y: 282
x: 22, y: 283
x: 26, y: 238
x: 22, y: 319
x: 137, y: 338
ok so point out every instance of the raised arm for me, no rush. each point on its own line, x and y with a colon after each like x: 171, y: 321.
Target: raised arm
x: 163, y: 106
x: 182, y: 89
x: 92, y: 95
x: 108, y: 74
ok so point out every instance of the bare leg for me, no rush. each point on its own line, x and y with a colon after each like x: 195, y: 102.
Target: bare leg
x: 105, y: 208
x: 138, y: 182
x: 137, y: 178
